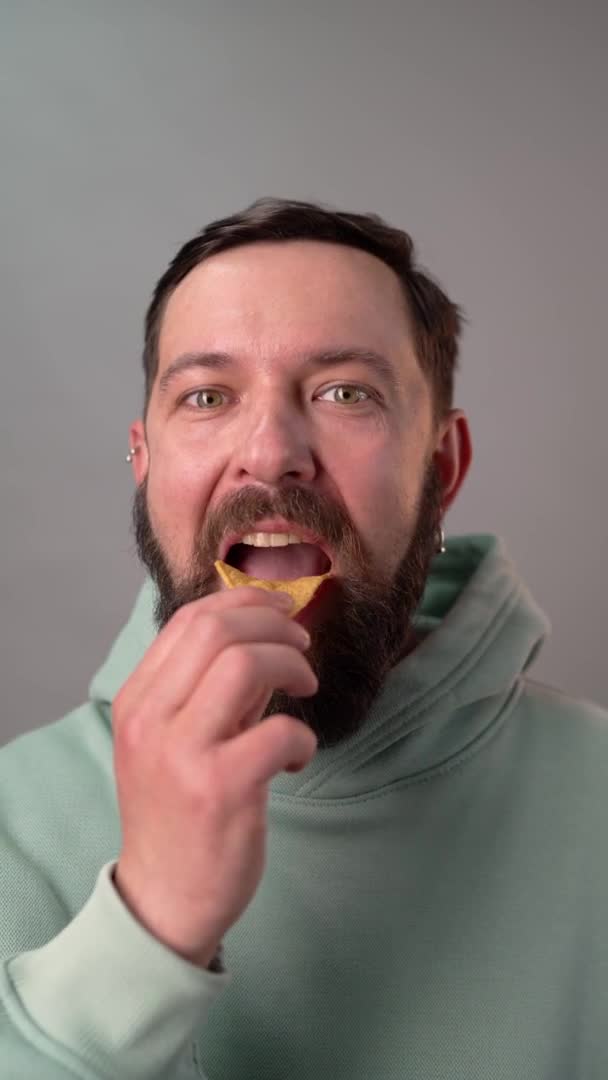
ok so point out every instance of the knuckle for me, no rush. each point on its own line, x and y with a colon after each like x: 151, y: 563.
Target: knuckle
x: 185, y: 614
x: 241, y: 661
x: 120, y: 715
x: 117, y: 705
x: 283, y: 728
x: 129, y: 731
x: 212, y: 625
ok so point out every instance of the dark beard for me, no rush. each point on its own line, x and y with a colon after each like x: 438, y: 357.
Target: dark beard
x: 363, y: 632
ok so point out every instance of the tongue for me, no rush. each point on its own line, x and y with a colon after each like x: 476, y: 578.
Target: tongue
x: 282, y: 563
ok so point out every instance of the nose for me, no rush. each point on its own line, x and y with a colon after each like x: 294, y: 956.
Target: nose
x: 274, y: 445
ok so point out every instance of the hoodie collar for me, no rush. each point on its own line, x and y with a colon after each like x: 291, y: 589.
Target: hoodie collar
x: 481, y: 630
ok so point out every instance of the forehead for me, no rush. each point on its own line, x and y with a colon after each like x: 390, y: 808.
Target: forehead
x: 289, y: 296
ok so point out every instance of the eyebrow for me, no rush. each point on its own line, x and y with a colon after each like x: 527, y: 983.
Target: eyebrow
x: 219, y: 361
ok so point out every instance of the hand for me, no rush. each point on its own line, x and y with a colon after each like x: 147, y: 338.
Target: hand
x: 193, y: 763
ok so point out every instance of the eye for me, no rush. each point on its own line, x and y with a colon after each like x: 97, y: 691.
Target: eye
x: 350, y: 394
x: 202, y: 399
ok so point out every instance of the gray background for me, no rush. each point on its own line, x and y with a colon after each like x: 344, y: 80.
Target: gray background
x: 479, y: 127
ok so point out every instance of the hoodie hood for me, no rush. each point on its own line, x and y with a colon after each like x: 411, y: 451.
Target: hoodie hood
x: 481, y: 630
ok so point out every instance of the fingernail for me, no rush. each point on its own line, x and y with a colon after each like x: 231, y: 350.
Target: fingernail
x: 283, y: 599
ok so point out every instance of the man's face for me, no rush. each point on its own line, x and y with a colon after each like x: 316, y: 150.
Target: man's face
x: 340, y: 447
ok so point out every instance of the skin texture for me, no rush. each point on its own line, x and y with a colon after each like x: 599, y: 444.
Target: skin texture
x: 276, y: 437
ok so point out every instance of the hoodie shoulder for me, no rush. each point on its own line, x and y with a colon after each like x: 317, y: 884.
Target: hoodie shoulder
x: 559, y: 706
x: 58, y: 823
x: 59, y: 819
x: 561, y: 746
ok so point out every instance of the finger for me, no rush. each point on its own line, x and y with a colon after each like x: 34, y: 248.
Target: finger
x: 210, y: 633
x: 233, y: 683
x: 168, y: 638
x: 280, y: 743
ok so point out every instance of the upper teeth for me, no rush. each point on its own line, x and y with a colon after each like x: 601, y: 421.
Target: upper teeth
x: 265, y: 539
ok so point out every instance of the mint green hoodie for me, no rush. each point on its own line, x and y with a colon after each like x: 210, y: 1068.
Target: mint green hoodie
x: 435, y: 899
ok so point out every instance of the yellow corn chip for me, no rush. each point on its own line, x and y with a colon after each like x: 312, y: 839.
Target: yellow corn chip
x: 301, y: 589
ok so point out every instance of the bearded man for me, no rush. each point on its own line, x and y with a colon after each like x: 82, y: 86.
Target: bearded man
x: 347, y: 838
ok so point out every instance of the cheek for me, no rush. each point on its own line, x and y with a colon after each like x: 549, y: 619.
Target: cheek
x: 376, y: 499
x: 379, y: 486
x: 177, y: 496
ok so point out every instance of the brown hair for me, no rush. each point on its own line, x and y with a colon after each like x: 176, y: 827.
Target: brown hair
x: 436, y: 320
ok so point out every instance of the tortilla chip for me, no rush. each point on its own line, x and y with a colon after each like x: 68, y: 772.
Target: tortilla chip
x: 301, y: 589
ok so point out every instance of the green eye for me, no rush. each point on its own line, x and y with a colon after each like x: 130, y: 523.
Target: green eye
x: 201, y: 399
x: 349, y: 393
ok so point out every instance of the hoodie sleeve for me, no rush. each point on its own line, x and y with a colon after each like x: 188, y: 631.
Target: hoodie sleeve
x: 103, y: 999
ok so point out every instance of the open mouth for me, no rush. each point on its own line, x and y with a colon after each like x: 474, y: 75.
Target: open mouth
x: 279, y: 563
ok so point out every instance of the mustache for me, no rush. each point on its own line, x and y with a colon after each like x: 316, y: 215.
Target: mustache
x: 239, y: 513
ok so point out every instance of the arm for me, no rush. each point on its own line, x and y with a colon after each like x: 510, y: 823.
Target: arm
x: 103, y: 998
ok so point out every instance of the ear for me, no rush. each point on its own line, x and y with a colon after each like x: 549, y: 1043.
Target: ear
x: 139, y: 464
x: 453, y: 454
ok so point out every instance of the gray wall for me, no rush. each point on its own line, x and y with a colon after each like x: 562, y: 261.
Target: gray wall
x: 480, y: 127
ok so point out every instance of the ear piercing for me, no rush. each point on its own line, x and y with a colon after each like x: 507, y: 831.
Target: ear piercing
x: 441, y: 548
